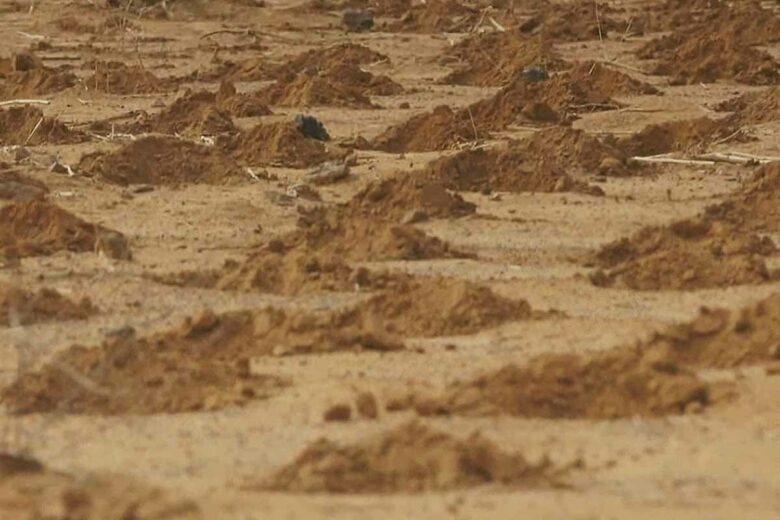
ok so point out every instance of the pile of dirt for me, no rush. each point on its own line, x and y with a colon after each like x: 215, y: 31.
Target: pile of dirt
x: 20, y: 307
x: 706, y: 55
x: 583, y: 88
x: 281, y: 144
x: 601, y: 385
x: 409, y: 459
x: 202, y: 364
x: 201, y: 113
x: 26, y: 125
x: 440, y: 307
x: 497, y: 58
x: 753, y: 108
x: 30, y: 490
x: 507, y: 168
x: 340, y: 84
x: 437, y: 17
x: 690, y: 135
x: 673, y: 15
x: 40, y: 228
x: 161, y: 161
x: 239, y: 104
x: 575, y: 150
x: 756, y: 206
x: 440, y: 129
x: 363, y: 237
x: 115, y: 77
x: 573, y: 21
x: 398, y: 197
x: 689, y: 254
x: 723, y: 339
x: 315, y: 59
x: 586, y: 87
x: 18, y: 187
x: 37, y: 81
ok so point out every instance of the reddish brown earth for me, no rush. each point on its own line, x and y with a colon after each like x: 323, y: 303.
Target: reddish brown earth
x: 19, y: 307
x: 202, y: 284
x: 161, y: 160
x: 412, y: 458
x: 41, y: 228
x: 28, y: 126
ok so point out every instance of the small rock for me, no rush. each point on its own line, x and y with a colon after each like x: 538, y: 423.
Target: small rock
x: 312, y: 127
x: 202, y: 323
x: 24, y: 61
x: 21, y: 153
x: 339, y: 412
x: 535, y: 74
x: 366, y: 405
x: 142, y: 188
x: 330, y: 172
x: 113, y: 245
x: 414, y: 216
x: 358, y: 20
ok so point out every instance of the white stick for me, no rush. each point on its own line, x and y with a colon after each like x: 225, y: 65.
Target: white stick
x: 25, y: 102
x: 670, y: 160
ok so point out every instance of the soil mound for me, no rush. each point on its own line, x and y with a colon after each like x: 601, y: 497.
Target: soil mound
x: 397, y: 197
x: 441, y: 307
x: 27, y: 126
x: 341, y: 84
x: 575, y: 150
x: 29, y: 490
x: 202, y: 364
x: 585, y: 87
x: 17, y: 187
x: 315, y: 59
x: 161, y: 161
x: 509, y: 54
x: 20, y: 307
x: 441, y: 129
x: 437, y: 17
x: 723, y: 339
x: 409, y: 459
x: 40, y: 228
x: 118, y: 78
x: 280, y: 144
x: 754, y: 108
x: 705, y: 56
x: 573, y: 22
x: 37, y: 81
x: 756, y: 207
x: 602, y: 385
x: 688, y: 254
x: 363, y: 237
x: 504, y: 169
x: 692, y: 135
x: 202, y: 113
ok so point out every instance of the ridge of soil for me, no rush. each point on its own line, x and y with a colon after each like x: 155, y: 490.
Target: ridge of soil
x: 688, y: 254
x: 753, y: 107
x: 437, y: 17
x: 719, y: 338
x: 17, y: 187
x: 689, y: 135
x: 26, y: 125
x: 598, y: 385
x: 411, y: 458
x: 25, y: 308
x: 161, y: 160
x: 279, y: 143
x: 37, y: 228
x: 117, y: 78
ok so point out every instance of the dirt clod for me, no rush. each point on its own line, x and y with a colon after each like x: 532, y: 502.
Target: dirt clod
x: 27, y: 126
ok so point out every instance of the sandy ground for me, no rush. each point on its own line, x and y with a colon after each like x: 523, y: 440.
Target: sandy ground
x: 722, y: 463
